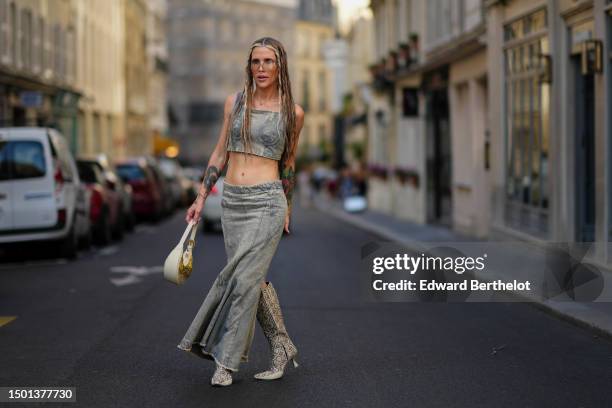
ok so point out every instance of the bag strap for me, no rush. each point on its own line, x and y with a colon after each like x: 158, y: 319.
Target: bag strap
x: 194, y: 227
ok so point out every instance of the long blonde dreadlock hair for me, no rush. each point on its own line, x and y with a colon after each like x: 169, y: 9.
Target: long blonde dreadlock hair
x: 287, y: 111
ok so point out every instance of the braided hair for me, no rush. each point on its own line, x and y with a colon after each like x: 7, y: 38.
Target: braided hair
x: 287, y: 106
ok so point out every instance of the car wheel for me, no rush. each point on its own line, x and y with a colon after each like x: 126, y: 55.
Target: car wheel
x: 105, y: 232
x: 86, y: 240
x: 119, y: 225
x: 131, y: 221
x: 68, y: 246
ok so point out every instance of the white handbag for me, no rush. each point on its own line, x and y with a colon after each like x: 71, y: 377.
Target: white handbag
x: 179, y: 263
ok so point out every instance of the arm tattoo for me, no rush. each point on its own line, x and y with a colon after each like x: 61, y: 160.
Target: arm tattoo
x: 210, y: 178
x: 288, y: 179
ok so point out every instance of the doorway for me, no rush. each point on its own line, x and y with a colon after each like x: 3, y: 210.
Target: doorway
x: 584, y: 152
x: 438, y: 158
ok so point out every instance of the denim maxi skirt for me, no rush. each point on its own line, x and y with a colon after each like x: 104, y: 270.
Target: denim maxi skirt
x: 253, y: 219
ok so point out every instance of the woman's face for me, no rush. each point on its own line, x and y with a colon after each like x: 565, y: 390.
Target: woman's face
x: 264, y: 67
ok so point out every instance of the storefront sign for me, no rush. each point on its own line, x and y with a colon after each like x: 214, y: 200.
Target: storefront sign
x: 31, y: 99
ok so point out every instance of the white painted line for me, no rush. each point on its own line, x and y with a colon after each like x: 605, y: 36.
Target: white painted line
x: 109, y: 250
x: 134, y: 273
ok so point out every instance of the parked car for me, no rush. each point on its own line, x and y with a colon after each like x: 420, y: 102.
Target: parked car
x: 146, y: 195
x: 124, y: 190
x: 105, y: 204
x: 194, y: 178
x: 41, y: 195
x: 163, y: 186
x: 174, y: 177
x: 211, y: 214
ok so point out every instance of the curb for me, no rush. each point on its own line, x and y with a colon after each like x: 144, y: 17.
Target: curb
x: 599, y: 328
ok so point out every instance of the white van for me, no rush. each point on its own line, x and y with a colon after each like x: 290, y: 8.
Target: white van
x: 41, y: 196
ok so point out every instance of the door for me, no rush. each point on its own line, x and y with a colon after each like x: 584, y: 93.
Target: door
x: 439, y: 158
x: 32, y: 176
x: 585, y: 153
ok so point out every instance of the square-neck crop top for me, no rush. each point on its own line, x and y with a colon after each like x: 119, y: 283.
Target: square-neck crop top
x: 267, y: 134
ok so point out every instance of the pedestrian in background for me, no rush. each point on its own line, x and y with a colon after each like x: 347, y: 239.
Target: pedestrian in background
x: 258, y: 139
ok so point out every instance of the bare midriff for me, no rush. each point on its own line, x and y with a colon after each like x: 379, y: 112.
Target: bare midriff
x: 246, y: 169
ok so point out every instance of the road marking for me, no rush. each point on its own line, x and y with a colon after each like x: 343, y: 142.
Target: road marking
x: 134, y: 273
x: 43, y: 262
x: 4, y: 320
x: 109, y: 250
x: 146, y: 229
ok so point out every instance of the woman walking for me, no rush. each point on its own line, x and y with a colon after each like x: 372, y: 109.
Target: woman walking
x: 258, y: 141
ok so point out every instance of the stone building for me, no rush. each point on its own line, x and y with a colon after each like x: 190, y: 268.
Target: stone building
x: 549, y: 98
x: 428, y: 117
x: 100, y: 77
x: 37, y: 65
x: 312, y: 82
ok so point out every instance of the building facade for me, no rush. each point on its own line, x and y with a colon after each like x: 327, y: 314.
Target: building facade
x: 37, y: 65
x: 550, y: 90
x: 501, y: 115
x: 360, y: 39
x: 157, y: 61
x: 428, y: 120
x: 313, y: 77
x: 100, y: 77
x: 208, y: 49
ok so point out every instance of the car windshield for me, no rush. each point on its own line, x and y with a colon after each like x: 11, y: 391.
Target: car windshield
x: 21, y: 159
x: 130, y: 172
x: 88, y: 172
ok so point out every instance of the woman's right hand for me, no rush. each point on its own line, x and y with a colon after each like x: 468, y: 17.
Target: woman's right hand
x: 193, y: 213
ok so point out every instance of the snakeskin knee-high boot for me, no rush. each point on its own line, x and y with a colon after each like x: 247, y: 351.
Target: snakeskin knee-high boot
x: 270, y: 318
x: 221, y: 377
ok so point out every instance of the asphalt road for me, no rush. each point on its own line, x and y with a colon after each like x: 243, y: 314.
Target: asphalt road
x: 108, y: 324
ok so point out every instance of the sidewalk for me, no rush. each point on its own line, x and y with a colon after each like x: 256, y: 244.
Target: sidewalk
x: 596, y: 316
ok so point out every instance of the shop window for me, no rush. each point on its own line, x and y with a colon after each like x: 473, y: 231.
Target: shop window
x: 527, y: 122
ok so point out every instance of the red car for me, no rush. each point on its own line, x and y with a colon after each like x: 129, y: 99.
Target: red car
x: 146, y: 195
x: 105, y: 207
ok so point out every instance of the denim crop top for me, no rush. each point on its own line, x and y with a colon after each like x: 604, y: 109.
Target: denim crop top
x: 267, y: 134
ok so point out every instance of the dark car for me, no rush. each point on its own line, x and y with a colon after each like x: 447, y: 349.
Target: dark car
x: 120, y: 187
x: 105, y: 204
x: 146, y: 194
x: 165, y: 189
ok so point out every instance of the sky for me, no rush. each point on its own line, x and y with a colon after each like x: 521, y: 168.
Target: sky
x: 349, y: 10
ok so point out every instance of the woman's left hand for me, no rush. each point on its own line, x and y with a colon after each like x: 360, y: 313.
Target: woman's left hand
x: 287, y: 216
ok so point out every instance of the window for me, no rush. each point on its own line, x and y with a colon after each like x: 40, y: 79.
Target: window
x: 57, y: 51
x: 527, y: 118
x: 22, y: 159
x: 410, y: 102
x: 322, y: 133
x: 4, y: 30
x: 305, y: 92
x: 35, y: 42
x: 69, y: 46
x: 322, y: 91
x: 42, y: 44
x: 14, y: 36
x: 26, y: 39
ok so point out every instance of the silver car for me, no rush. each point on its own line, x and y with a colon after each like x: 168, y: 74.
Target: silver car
x: 211, y: 214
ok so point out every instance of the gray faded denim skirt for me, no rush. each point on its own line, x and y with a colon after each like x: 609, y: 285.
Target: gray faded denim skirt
x: 253, y: 219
